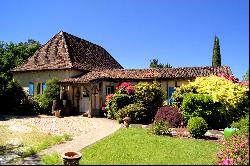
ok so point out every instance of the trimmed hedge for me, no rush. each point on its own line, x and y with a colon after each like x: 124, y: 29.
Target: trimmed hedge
x: 197, y: 127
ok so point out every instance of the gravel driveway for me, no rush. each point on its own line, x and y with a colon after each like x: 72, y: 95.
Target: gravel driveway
x: 84, y: 131
x: 73, y: 125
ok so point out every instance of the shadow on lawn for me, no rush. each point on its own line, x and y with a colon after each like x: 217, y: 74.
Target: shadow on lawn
x: 9, y: 117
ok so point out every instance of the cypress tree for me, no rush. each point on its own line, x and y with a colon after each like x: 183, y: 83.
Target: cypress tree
x: 216, y: 59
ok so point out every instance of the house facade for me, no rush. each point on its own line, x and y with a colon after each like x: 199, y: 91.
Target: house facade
x: 88, y: 73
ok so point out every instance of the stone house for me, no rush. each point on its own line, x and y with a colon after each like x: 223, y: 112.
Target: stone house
x: 88, y: 73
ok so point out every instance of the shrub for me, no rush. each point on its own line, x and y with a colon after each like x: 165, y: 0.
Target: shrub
x: 202, y: 105
x: 15, y: 99
x: 171, y: 115
x: 136, y: 112
x: 242, y: 124
x: 232, y: 97
x: 150, y: 96
x: 116, y: 102
x: 235, y: 150
x: 160, y: 128
x: 197, y: 127
x: 52, y: 92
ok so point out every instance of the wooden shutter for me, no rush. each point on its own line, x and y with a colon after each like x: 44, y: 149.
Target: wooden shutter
x: 31, y: 88
x: 170, y: 92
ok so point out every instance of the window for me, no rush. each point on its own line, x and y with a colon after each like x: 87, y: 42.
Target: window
x: 31, y: 88
x: 170, y: 92
x: 109, y: 90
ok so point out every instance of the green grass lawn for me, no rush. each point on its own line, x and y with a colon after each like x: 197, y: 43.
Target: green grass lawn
x: 26, y: 143
x: 137, y: 146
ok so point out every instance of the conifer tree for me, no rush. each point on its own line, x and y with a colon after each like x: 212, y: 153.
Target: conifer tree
x: 216, y: 59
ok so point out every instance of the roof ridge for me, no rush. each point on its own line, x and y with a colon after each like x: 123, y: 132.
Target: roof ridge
x: 66, y: 48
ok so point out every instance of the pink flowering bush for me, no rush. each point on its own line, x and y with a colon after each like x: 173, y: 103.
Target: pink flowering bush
x: 127, y: 97
x: 125, y: 88
x: 235, y: 150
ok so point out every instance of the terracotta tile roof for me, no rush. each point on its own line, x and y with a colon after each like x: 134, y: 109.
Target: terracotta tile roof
x: 65, y: 51
x: 137, y: 74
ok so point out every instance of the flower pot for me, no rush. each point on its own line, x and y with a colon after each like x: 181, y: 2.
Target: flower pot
x: 126, y: 121
x: 71, y: 158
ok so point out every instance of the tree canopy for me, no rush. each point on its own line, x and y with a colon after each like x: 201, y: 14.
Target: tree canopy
x: 154, y: 64
x: 12, y: 54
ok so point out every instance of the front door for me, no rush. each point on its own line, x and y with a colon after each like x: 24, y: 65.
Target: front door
x: 84, y: 104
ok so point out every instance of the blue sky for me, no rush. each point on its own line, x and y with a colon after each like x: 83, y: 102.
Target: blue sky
x: 179, y: 32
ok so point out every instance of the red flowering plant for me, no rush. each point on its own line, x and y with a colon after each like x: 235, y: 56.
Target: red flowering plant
x: 229, y: 77
x: 106, y: 107
x: 125, y: 88
x: 235, y: 151
x: 233, y: 79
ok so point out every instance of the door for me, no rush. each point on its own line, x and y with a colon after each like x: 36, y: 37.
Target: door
x: 84, y: 104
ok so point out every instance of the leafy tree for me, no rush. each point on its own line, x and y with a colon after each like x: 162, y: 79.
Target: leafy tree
x: 216, y: 59
x: 12, y: 54
x: 246, y: 76
x: 154, y: 64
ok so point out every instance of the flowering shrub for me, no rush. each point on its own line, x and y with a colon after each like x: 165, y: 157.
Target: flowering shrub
x: 171, y: 115
x: 148, y: 96
x: 125, y: 88
x: 235, y: 151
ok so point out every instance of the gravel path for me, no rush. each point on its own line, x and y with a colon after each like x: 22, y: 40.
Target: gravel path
x: 85, y: 131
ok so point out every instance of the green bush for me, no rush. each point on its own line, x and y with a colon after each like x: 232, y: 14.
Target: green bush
x: 160, y: 128
x: 232, y: 97
x: 117, y: 102
x: 202, y: 105
x: 242, y: 124
x: 150, y: 95
x: 52, y: 92
x: 136, y: 112
x: 197, y: 127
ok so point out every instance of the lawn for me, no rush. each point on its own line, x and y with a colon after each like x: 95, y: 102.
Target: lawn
x: 20, y: 141
x: 136, y: 146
